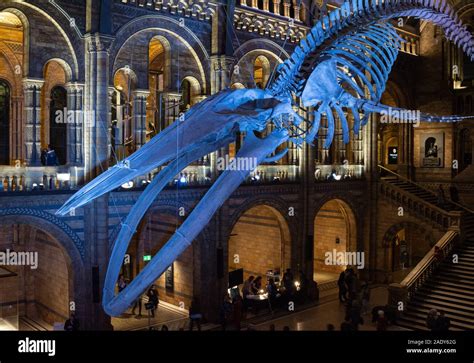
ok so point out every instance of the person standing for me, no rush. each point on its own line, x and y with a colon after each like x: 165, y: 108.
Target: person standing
x: 121, y: 283
x: 341, y: 283
x: 138, y: 303
x: 153, y: 299
x: 226, y: 311
x: 71, y: 324
x: 195, y: 315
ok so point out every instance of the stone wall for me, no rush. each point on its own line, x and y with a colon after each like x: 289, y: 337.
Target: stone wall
x: 256, y: 243
x: 329, y: 225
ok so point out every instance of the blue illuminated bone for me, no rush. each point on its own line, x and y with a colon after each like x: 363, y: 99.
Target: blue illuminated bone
x: 198, y: 219
x: 211, y: 120
x: 336, y: 77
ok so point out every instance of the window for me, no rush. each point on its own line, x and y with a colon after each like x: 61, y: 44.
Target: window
x: 58, y: 130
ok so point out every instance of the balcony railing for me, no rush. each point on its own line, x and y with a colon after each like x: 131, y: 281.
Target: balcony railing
x: 25, y: 179
x: 401, y: 293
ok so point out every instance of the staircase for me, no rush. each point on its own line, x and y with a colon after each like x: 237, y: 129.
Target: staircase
x: 430, y: 285
x: 422, y: 193
x: 450, y: 288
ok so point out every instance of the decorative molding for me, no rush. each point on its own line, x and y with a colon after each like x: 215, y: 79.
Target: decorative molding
x: 272, y: 27
x: 27, y: 212
x: 203, y: 10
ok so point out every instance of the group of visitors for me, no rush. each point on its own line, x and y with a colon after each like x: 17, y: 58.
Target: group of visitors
x: 356, y: 297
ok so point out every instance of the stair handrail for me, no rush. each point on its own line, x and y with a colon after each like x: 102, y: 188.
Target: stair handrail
x: 402, y: 292
x: 467, y: 209
x: 430, y: 259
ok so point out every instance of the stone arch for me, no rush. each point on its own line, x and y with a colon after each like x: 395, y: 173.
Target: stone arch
x: 261, y: 62
x: 271, y: 250
x: 162, y: 25
x: 26, y: 40
x: 418, y: 230
x: 335, y: 228
x: 70, y: 244
x: 56, y: 73
x: 12, y: 60
x: 246, y: 66
x: 194, y: 89
x: 72, y: 41
x: 167, y: 61
x: 237, y: 85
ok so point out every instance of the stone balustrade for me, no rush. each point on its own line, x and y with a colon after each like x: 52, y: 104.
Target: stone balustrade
x: 400, y: 293
x: 25, y: 179
x: 419, y: 208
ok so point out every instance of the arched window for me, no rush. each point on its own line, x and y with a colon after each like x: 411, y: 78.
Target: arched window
x: 261, y: 71
x: 187, y: 95
x: 117, y: 151
x: 4, y: 123
x: 58, y: 125
x: 157, y: 81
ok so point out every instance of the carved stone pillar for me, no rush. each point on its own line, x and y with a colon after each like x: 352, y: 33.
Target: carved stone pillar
x: 75, y: 104
x: 296, y: 8
x: 276, y: 6
x: 286, y: 8
x: 172, y: 103
x: 222, y: 71
x: 97, y: 105
x: 17, y: 152
x: 139, y: 116
x: 32, y: 96
x: 266, y: 5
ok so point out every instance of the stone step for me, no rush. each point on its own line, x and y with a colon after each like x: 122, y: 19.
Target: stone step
x: 462, y: 269
x: 439, y: 286
x: 441, y: 304
x: 429, y: 306
x: 448, y: 294
x: 456, y: 277
x: 455, y: 321
x: 424, y: 310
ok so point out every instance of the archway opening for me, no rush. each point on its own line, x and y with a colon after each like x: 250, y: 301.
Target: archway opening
x: 54, y: 114
x: 43, y: 291
x: 261, y: 72
x: 157, y: 73
x: 260, y: 244
x: 407, y: 244
x: 176, y: 286
x: 122, y: 115
x: 58, y: 129
x: 335, y: 236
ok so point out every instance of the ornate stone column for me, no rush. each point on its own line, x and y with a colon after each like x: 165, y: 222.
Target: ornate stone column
x: 296, y: 8
x: 286, y: 8
x: 75, y: 104
x: 276, y: 6
x: 17, y: 109
x: 139, y: 116
x: 97, y: 105
x: 222, y: 71
x: 32, y: 109
x: 172, y: 102
x: 96, y: 139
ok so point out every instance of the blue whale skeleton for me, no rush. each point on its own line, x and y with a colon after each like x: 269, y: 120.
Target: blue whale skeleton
x: 340, y: 69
